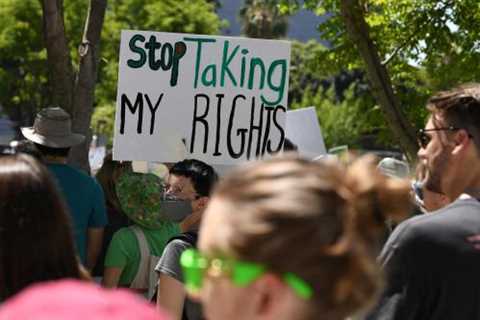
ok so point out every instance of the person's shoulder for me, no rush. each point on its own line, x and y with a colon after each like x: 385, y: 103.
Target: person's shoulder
x: 410, y: 231
x: 89, y: 182
x: 72, y: 172
x: 178, y: 244
x: 166, y: 232
x: 175, y: 247
x: 448, y: 215
x: 409, y: 226
x: 462, y: 204
x: 438, y: 223
x: 124, y: 234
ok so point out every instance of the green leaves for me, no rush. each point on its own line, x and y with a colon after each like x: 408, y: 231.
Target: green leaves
x: 23, y: 67
x: 344, y: 122
x: 22, y: 57
x: 427, y: 45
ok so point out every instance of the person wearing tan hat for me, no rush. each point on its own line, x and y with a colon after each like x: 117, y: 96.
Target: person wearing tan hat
x: 52, y: 135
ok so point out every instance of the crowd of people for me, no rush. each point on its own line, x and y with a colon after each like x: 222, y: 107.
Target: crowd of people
x: 279, y: 238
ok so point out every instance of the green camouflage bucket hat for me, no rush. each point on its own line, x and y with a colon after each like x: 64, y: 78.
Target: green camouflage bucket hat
x: 140, y: 196
x: 142, y: 199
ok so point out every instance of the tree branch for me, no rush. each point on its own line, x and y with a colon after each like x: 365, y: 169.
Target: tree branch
x: 353, y: 16
x: 411, y: 36
x: 409, y: 40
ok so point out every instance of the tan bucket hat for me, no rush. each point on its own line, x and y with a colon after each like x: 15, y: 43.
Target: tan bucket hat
x: 53, y: 128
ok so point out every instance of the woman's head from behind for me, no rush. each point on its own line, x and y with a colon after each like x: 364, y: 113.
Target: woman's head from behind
x: 306, y: 230
x: 35, y: 234
x: 108, y: 175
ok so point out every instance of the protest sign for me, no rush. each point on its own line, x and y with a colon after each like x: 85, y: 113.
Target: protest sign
x: 304, y: 131
x: 222, y: 100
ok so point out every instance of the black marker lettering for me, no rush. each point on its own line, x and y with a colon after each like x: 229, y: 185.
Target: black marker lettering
x: 255, y: 128
x: 279, y: 127
x: 240, y: 132
x: 153, y: 110
x: 201, y: 119
x: 138, y: 105
x: 219, y: 120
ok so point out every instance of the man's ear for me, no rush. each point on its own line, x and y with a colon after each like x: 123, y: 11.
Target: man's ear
x: 461, y: 140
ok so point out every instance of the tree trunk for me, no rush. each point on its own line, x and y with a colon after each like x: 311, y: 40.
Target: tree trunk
x: 58, y: 55
x: 74, y: 94
x: 353, y: 16
x: 86, y: 79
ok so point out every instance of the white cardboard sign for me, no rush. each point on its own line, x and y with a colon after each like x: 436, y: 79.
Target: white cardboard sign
x: 222, y: 100
x: 304, y: 131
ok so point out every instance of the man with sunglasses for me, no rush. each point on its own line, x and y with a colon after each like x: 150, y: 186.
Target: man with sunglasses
x: 432, y: 262
x: 190, y: 180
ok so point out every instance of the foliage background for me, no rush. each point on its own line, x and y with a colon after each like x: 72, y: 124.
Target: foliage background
x: 426, y: 45
x: 24, y: 85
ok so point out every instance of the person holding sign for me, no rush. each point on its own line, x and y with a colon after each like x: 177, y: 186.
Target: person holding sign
x: 292, y: 239
x: 190, y: 180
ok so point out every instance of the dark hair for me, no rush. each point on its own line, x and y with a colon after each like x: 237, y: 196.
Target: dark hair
x: 460, y: 107
x: 54, y: 152
x: 106, y: 178
x: 326, y: 218
x: 202, y: 175
x: 36, y: 242
x: 28, y: 147
x: 288, y: 145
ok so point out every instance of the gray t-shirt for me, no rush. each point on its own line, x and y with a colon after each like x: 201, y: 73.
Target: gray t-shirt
x: 432, y: 262
x: 169, y: 264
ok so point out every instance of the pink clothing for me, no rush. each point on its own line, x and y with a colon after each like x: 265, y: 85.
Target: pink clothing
x: 77, y: 300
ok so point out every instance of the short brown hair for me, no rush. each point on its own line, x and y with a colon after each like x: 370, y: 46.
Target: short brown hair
x: 318, y: 220
x: 459, y: 107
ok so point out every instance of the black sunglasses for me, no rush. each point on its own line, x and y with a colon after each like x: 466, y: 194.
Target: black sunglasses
x: 424, y: 139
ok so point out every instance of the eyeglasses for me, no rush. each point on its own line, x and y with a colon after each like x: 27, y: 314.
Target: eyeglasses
x: 195, y: 265
x: 423, y: 138
x: 178, y: 192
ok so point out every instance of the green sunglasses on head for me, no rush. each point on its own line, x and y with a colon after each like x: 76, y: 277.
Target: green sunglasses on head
x: 195, y: 265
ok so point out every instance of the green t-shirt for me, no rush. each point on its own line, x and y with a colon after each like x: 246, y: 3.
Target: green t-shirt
x: 124, y: 251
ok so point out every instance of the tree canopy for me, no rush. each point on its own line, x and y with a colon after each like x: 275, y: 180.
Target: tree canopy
x: 438, y: 38
x: 24, y: 86
x: 424, y: 45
